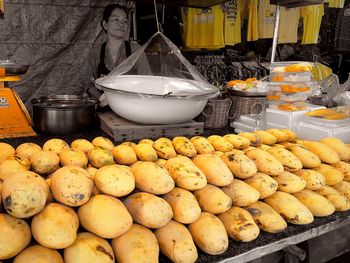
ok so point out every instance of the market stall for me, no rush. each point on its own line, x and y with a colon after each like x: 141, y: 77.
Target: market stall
x: 145, y: 180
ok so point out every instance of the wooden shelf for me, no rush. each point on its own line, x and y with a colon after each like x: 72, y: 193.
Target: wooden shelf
x: 295, y: 3
x: 186, y: 3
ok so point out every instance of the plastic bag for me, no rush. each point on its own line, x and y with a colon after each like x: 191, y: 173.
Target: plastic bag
x: 158, y: 68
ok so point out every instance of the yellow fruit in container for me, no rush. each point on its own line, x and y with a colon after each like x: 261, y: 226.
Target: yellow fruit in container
x: 339, y: 200
x: 185, y: 173
x: 220, y: 144
x: 344, y: 168
x: 265, y: 137
x: 49, y: 197
x: 213, y: 200
x: 241, y: 193
x: 147, y: 141
x: 175, y: 241
x: 24, y: 194
x: 89, y: 248
x: 314, y: 180
x: 289, y: 161
x: 184, y: 146
x: 289, y: 182
x: 264, y: 183
x: 55, y: 145
x: 253, y: 138
x: 265, y: 162
x: 92, y: 171
x: 316, y: 203
x: 280, y: 135
x: 290, y: 208
x: 10, y: 167
x: 132, y: 144
x: 214, y: 168
x: 6, y: 150
x: 338, y: 146
x: 73, y: 157
x: 324, y: 152
x: 237, y: 141
x: 38, y: 254
x: 82, y: 145
x: 99, y: 157
x: 343, y: 188
x: 209, y: 234
x: 56, y: 226
x: 71, y: 185
x: 124, y: 154
x: 307, y: 158
x: 103, y: 142
x: 27, y: 150
x: 239, y: 224
x: 45, y: 162
x: 184, y: 204
x: 14, y: 236
x: 239, y: 164
x: 138, y: 244
x: 202, y: 145
x: 331, y: 174
x: 266, y: 217
x: 115, y: 180
x: 105, y: 216
x: 142, y: 205
x: 164, y: 148
x: 152, y: 178
x: 145, y: 152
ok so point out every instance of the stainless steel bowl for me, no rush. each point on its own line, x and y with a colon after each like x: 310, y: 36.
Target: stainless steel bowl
x: 63, y: 114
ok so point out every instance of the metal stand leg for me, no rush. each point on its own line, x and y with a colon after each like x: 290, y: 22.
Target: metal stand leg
x: 275, y: 34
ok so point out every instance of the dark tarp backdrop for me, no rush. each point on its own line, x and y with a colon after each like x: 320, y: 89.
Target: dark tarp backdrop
x: 54, y: 38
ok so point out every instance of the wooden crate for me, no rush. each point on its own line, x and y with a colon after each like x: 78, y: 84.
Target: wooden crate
x: 124, y: 130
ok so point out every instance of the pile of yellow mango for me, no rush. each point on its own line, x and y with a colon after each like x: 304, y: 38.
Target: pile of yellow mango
x: 100, y: 202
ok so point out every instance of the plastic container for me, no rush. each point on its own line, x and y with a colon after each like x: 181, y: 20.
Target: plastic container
x: 287, y: 97
x: 315, y: 132
x: 290, y: 76
x: 287, y: 106
x: 291, y: 67
x: 243, y: 127
x: 284, y: 119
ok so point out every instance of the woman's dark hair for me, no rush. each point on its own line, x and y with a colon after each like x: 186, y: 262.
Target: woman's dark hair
x: 109, y: 10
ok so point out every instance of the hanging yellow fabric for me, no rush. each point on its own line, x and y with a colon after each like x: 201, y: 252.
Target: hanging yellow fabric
x: 312, y: 17
x: 335, y: 3
x: 232, y: 22
x: 288, y: 25
x: 203, y: 28
x: 266, y: 16
x: 252, y: 31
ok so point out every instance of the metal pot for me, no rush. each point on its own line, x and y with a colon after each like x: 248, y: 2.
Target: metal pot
x: 63, y: 114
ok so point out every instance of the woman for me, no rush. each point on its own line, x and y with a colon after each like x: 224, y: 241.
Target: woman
x: 104, y: 58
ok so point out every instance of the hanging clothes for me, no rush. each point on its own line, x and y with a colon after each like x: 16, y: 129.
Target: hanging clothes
x: 266, y: 18
x: 312, y: 18
x: 288, y: 25
x: 203, y: 28
x: 233, y: 21
x: 342, y: 30
x: 335, y: 3
x: 252, y: 31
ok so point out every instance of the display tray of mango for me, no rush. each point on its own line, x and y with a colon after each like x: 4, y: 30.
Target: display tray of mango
x: 235, y: 251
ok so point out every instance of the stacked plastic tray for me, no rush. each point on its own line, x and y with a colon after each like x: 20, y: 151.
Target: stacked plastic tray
x: 289, y: 85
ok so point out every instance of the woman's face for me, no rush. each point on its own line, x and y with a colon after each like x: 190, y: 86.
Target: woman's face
x: 117, y: 24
